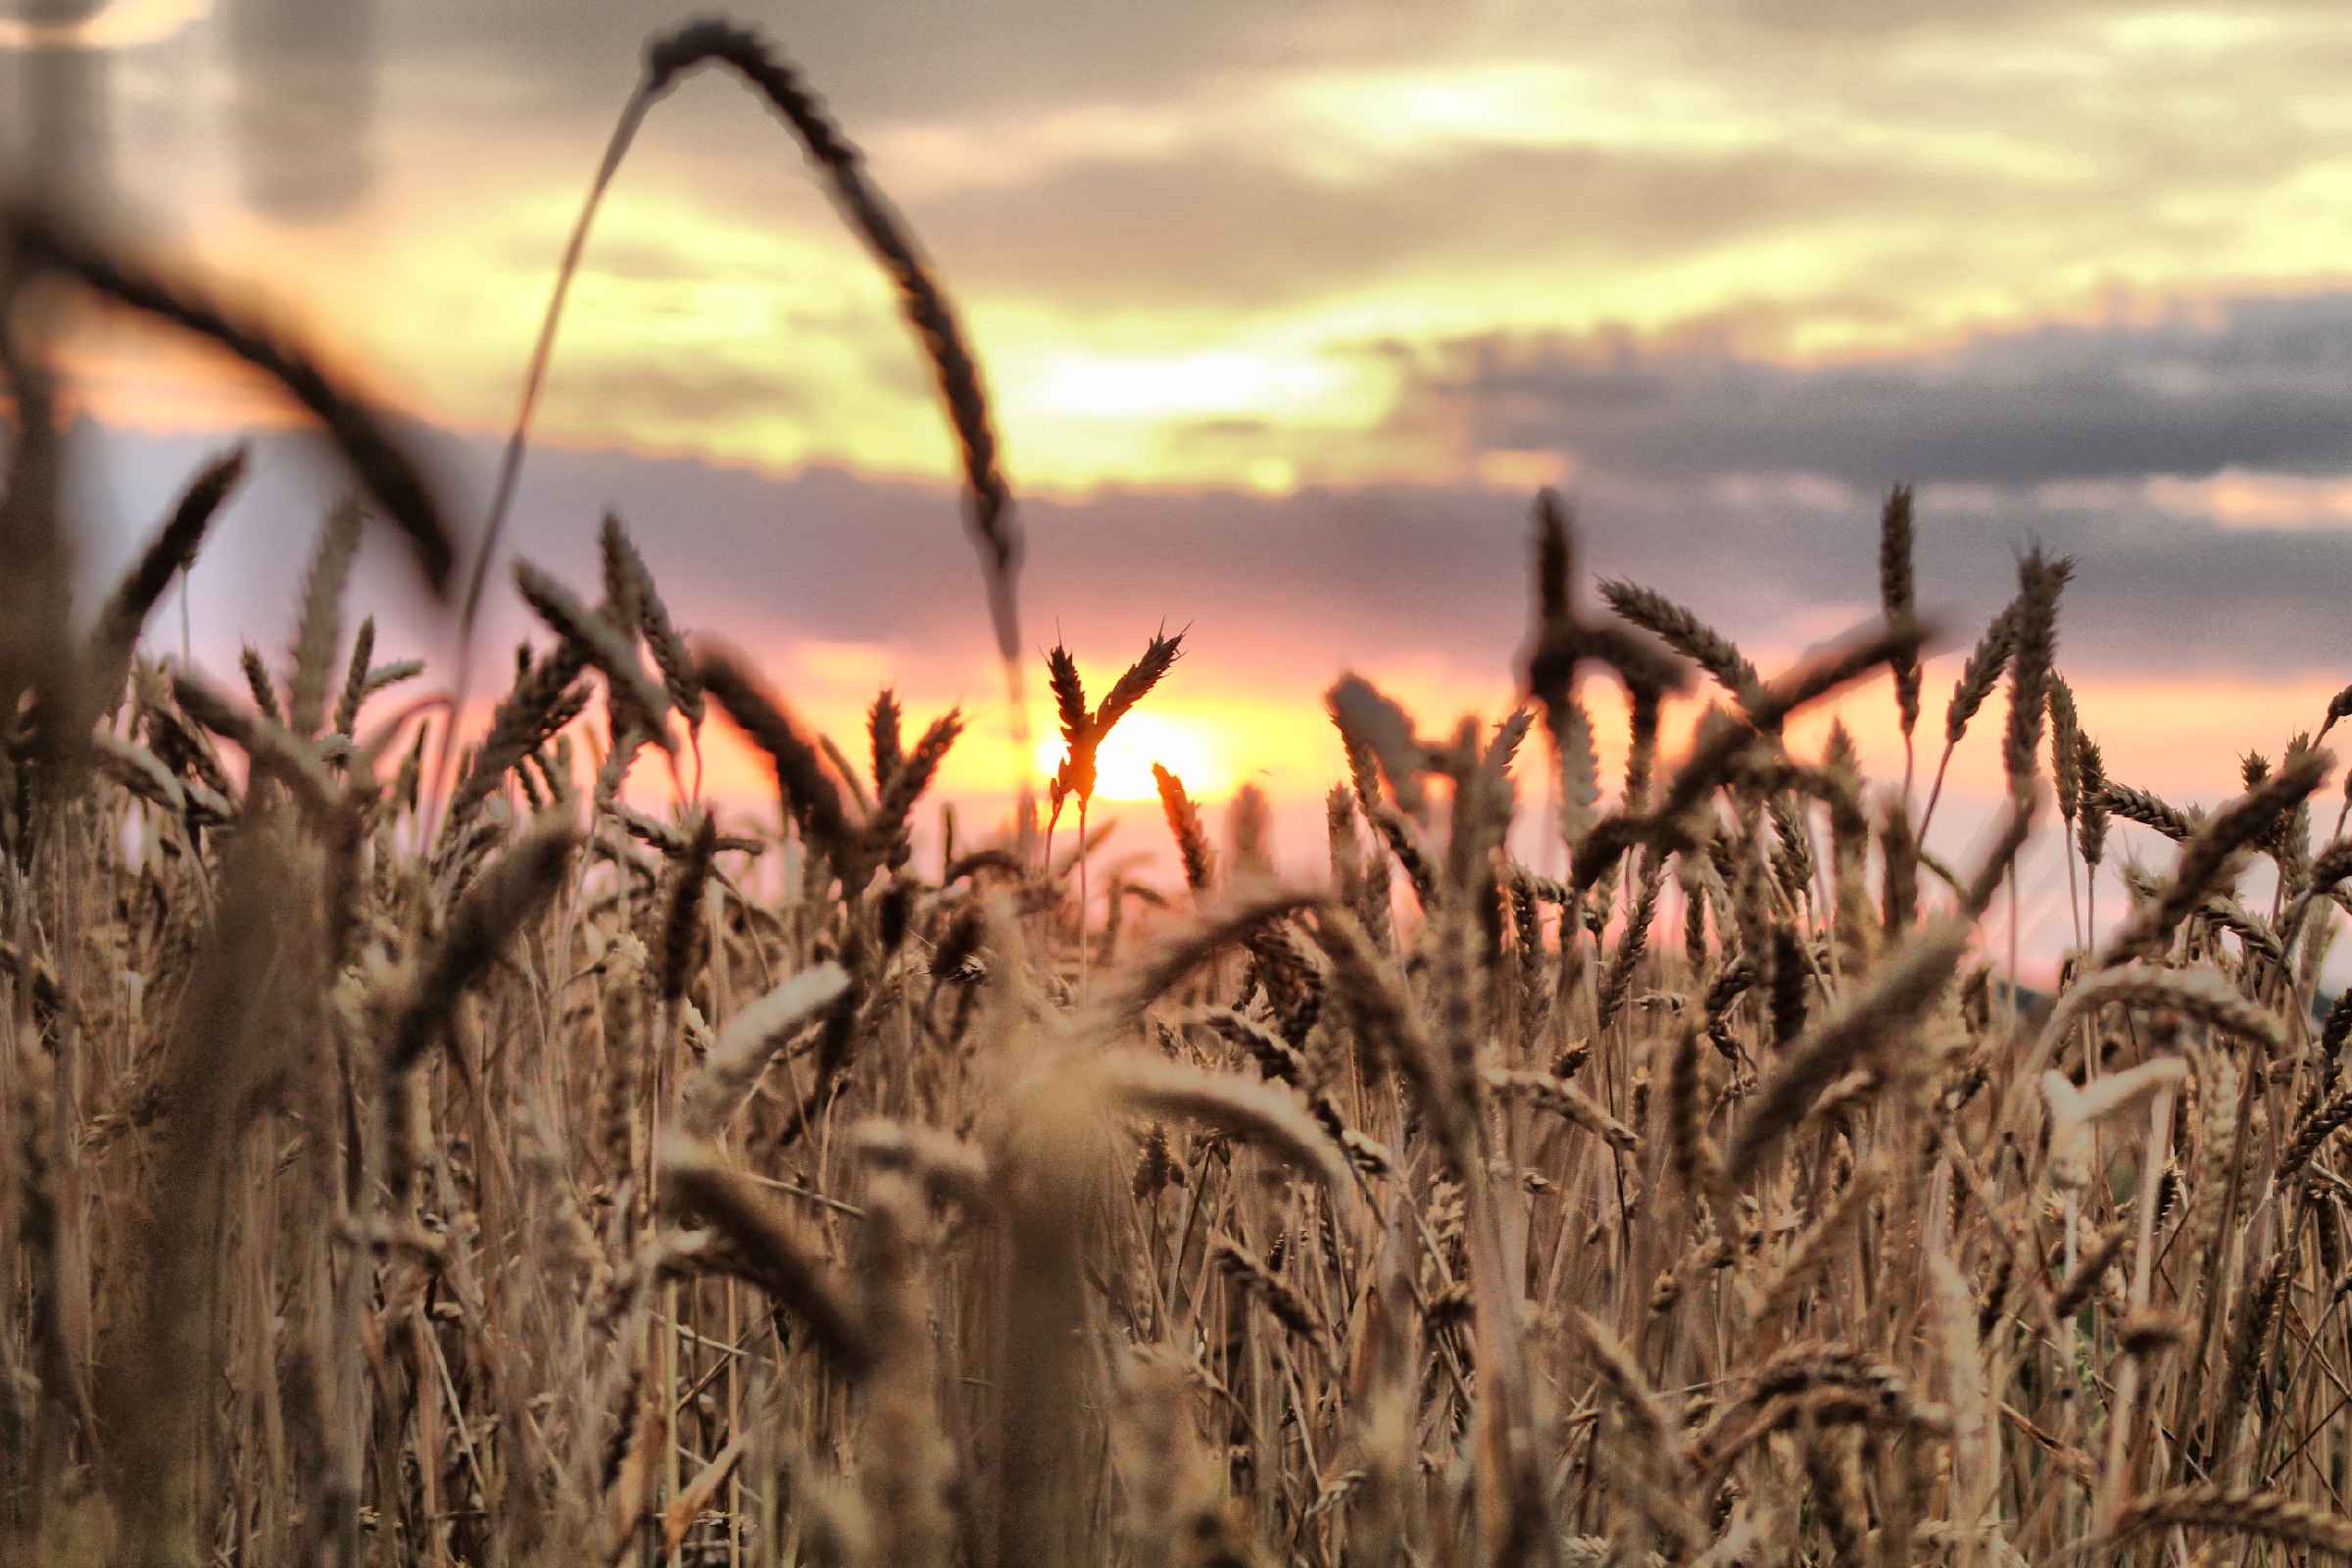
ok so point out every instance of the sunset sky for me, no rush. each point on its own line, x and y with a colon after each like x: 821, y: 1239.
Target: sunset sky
x: 1286, y: 307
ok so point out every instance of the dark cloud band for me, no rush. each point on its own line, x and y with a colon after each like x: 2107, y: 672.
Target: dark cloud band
x: 2267, y: 385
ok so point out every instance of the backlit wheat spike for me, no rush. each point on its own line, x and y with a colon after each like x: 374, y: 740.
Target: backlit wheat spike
x: 626, y: 581
x: 1191, y: 840
x: 1642, y: 749
x: 1982, y: 671
x: 1412, y: 848
x: 1580, y: 772
x: 1897, y: 598
x: 385, y: 676
x: 1563, y: 640
x: 682, y: 927
x: 321, y: 633
x: 2090, y: 830
x: 1618, y: 979
x: 2207, y: 852
x: 2138, y: 806
x: 116, y: 632
x: 259, y: 684
x: 542, y: 703
x: 882, y: 735
x: 810, y: 793
x: 1070, y: 695
x: 638, y: 700
x: 355, y: 679
x: 1083, y: 732
x: 2329, y: 868
x: 668, y: 650
x: 1505, y: 746
x: 1159, y: 657
x: 2033, y: 645
x: 1978, y: 677
x: 2066, y: 747
x: 1686, y: 635
x: 2339, y: 706
x: 895, y: 800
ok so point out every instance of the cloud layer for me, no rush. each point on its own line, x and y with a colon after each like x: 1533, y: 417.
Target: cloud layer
x: 2251, y: 382
x: 2195, y: 466
x: 1286, y: 214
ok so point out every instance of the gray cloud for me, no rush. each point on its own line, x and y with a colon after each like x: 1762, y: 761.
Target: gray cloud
x: 1333, y: 577
x: 2269, y: 387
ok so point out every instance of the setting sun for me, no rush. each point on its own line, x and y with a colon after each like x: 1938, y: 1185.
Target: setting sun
x: 1184, y: 746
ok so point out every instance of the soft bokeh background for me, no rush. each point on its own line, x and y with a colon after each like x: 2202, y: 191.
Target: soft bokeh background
x: 1286, y: 307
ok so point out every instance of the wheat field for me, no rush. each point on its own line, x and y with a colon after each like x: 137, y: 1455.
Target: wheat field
x: 418, y: 1153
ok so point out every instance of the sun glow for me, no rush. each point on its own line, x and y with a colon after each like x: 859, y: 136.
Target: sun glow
x: 1191, y: 749
x: 1214, y: 381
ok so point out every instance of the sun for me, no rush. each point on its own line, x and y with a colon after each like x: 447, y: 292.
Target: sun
x: 1183, y: 745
